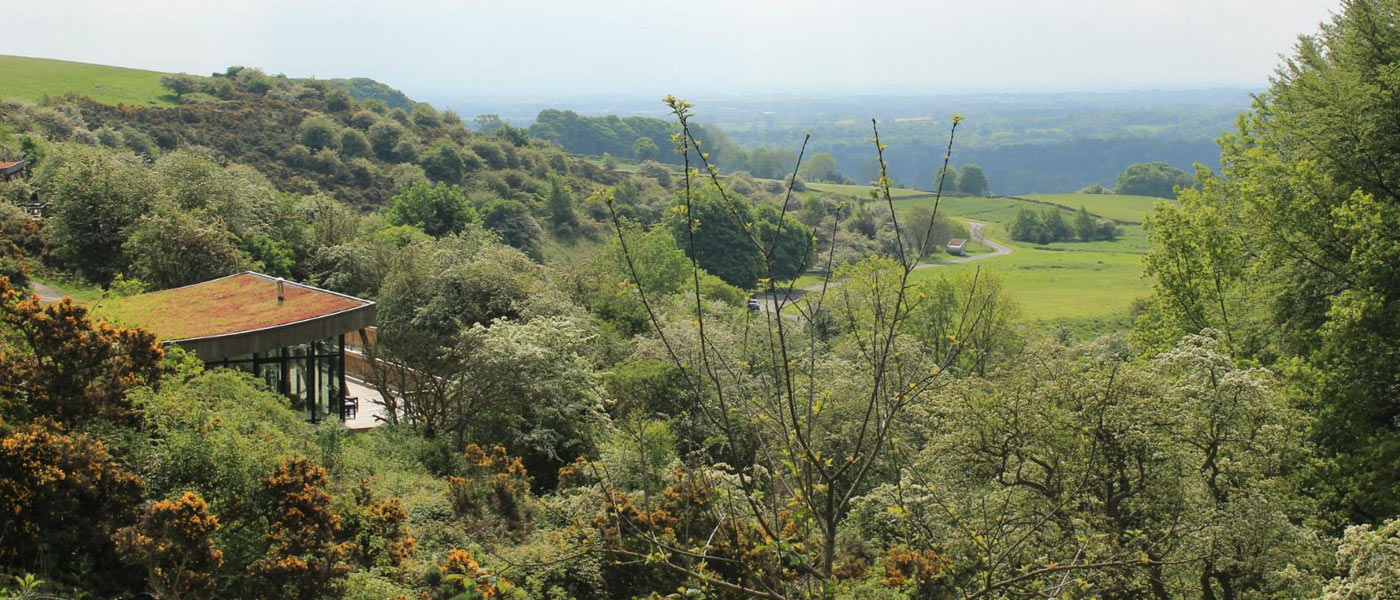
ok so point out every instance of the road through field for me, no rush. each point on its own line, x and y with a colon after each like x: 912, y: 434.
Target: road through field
x: 768, y: 302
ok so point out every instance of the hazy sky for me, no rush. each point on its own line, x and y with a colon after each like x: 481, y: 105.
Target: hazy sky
x: 443, y: 49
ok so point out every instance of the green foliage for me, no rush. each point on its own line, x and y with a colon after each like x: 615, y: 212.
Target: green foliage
x: 1041, y: 227
x: 319, y: 132
x: 1369, y: 558
x: 303, y: 559
x: 714, y: 232
x: 444, y: 163
x: 512, y: 221
x: 540, y: 389
x: 972, y: 181
x: 96, y: 200
x: 645, y: 149
x: 438, y: 210
x: 180, y: 84
x: 174, y: 542
x: 354, y: 144
x: 821, y: 166
x: 1291, y: 248
x: 1152, y: 179
x: 560, y: 204
x: 172, y: 250
x: 65, y: 495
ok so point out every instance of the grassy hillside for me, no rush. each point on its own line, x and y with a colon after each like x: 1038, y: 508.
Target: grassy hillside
x: 1088, y: 288
x: 33, y: 78
x: 1113, y: 206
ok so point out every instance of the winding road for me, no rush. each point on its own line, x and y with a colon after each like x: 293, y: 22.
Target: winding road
x: 768, y: 302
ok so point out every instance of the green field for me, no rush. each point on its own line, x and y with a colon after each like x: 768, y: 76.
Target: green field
x: 1113, y: 206
x: 33, y: 78
x: 861, y: 191
x: 1088, y: 288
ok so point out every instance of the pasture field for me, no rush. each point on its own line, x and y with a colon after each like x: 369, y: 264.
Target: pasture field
x: 1088, y: 291
x: 31, y: 79
x: 1086, y: 287
x: 862, y: 191
x: 1130, y: 209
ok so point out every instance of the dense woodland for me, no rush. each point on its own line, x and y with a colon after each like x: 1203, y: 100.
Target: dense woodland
x: 598, y: 417
x: 1041, y: 143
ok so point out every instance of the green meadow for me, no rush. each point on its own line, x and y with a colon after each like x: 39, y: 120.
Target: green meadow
x: 32, y: 79
x: 1113, y: 206
x: 1086, y: 287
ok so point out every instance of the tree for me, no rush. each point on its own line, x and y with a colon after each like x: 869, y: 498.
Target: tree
x: 180, y: 84
x: 1181, y: 470
x: 821, y: 166
x: 656, y: 171
x: 560, y: 205
x: 929, y: 231
x: 529, y: 387
x: 174, y: 542
x: 511, y: 219
x: 437, y: 209
x: 795, y: 442
x: 1152, y: 179
x: 488, y: 123
x: 338, y: 100
x: 97, y: 197
x: 319, y: 132
x: 442, y: 289
x: 1296, y: 252
x: 171, y: 249
x: 64, y: 367
x: 946, y: 179
x: 644, y: 149
x: 1085, y: 226
x: 788, y: 241
x: 972, y: 181
x: 1368, y: 558
x: 714, y: 231
x: 424, y: 115
x: 354, y: 144
x: 384, y: 136
x: 303, y: 559
x: 443, y: 163
x: 64, y: 495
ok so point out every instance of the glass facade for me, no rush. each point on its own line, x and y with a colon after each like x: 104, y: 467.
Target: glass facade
x: 311, y: 374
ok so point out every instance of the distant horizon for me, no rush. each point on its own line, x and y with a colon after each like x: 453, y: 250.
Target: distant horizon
x: 446, y: 99
x: 530, y: 49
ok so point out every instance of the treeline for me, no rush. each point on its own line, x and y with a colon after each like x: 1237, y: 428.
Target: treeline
x: 309, y: 136
x: 1049, y: 225
x: 644, y: 139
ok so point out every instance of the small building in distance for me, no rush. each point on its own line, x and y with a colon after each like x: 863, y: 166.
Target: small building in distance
x: 289, y: 334
x: 957, y: 246
x: 12, y: 169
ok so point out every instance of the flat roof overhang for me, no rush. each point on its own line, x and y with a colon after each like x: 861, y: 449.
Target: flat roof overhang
x: 218, y: 347
x: 240, y: 314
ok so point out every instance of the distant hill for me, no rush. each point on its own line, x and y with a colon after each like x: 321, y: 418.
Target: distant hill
x: 33, y: 78
x: 362, y: 88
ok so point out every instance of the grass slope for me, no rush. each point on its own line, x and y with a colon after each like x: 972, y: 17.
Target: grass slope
x: 1088, y: 288
x: 1113, y: 206
x: 33, y: 78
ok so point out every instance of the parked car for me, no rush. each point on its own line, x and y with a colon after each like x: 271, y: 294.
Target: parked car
x: 754, y: 305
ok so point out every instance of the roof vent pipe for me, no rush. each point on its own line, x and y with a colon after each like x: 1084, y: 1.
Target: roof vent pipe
x: 280, y: 295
